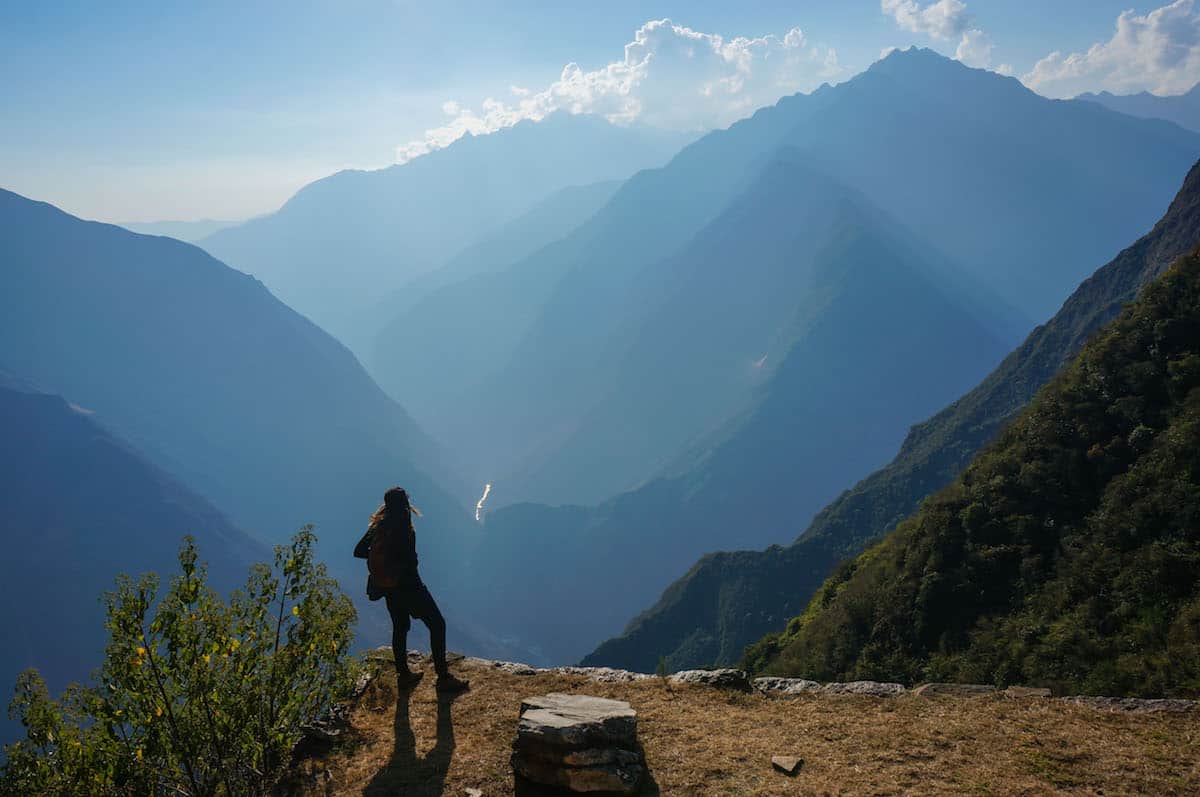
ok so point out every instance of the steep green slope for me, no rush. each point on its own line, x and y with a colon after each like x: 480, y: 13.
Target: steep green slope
x: 729, y: 600
x: 1067, y: 553
x: 78, y: 507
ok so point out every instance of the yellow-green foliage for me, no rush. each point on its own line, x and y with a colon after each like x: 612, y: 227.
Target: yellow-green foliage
x: 196, y: 695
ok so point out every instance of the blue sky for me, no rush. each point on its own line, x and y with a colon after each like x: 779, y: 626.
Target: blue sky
x: 143, y: 111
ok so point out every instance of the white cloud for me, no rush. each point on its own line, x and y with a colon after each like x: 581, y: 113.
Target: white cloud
x: 671, y: 77
x: 1158, y: 52
x: 944, y: 20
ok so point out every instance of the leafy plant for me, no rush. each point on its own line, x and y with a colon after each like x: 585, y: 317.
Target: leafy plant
x: 195, y: 696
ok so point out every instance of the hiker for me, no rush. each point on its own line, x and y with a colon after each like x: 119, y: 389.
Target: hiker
x: 390, y: 548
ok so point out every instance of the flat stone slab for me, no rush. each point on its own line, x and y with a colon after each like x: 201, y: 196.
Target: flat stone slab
x: 576, y: 721
x: 785, y: 686
x: 788, y: 765
x: 954, y: 690
x: 870, y: 688
x: 1026, y: 692
x: 719, y: 679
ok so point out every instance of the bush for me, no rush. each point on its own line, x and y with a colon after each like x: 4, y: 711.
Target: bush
x: 196, y: 696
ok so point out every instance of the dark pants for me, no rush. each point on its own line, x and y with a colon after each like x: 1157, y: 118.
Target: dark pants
x: 413, y: 600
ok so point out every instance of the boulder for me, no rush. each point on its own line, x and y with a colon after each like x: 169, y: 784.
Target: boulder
x: 954, y: 690
x: 604, y: 675
x: 579, y: 743
x: 509, y: 667
x: 785, y: 686
x: 720, y: 679
x: 871, y: 688
x: 1135, y: 704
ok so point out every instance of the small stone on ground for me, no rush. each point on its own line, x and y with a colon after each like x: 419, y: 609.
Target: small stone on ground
x: 788, y: 765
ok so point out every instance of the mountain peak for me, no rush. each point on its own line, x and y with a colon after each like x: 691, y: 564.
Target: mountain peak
x: 912, y: 58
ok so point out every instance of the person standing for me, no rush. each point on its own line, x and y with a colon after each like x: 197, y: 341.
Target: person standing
x: 390, y: 548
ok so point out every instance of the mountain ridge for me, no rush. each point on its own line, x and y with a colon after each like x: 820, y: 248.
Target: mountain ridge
x: 729, y: 599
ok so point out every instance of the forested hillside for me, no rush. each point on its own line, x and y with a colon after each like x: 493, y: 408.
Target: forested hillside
x: 1067, y: 553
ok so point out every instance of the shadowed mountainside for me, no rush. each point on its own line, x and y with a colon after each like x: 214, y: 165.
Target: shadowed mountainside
x: 219, y: 383
x: 80, y: 506
x: 825, y: 410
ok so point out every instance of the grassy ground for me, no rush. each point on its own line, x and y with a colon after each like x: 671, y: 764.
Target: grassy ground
x: 700, y: 741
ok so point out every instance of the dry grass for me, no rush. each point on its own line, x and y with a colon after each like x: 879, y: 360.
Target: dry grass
x: 700, y: 741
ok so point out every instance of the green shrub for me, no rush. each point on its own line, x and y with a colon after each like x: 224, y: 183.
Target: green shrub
x: 195, y: 696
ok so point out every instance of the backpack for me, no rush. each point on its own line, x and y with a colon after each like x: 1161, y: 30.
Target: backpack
x: 380, y: 564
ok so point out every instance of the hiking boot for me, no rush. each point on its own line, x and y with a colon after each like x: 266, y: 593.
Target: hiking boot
x: 408, y: 679
x: 448, y: 684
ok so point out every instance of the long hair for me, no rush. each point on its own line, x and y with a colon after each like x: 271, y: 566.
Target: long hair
x: 394, y: 513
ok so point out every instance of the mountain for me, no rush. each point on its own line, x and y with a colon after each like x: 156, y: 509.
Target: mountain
x: 729, y: 600
x: 344, y: 242
x: 1067, y: 553
x: 190, y: 231
x: 1182, y: 109
x: 79, y: 506
x: 1023, y: 195
x: 478, y: 289
x: 216, y: 380
x: 822, y: 414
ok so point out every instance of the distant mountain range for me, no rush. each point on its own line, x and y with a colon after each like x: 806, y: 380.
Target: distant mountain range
x: 1182, y: 109
x: 1019, y: 194
x: 1068, y: 551
x: 190, y: 231
x: 729, y: 600
x: 820, y: 415
x: 79, y: 506
x: 344, y: 243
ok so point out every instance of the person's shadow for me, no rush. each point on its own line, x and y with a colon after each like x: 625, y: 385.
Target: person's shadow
x: 405, y: 773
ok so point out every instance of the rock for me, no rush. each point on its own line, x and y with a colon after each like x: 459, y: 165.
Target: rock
x: 1135, y: 704
x: 871, y: 688
x: 605, y: 779
x: 510, y: 667
x: 788, y: 765
x: 604, y: 675
x: 383, y: 653
x: 1025, y: 692
x: 559, y: 720
x: 579, y: 743
x: 785, y: 686
x: 954, y: 690
x: 474, y: 792
x: 720, y: 679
